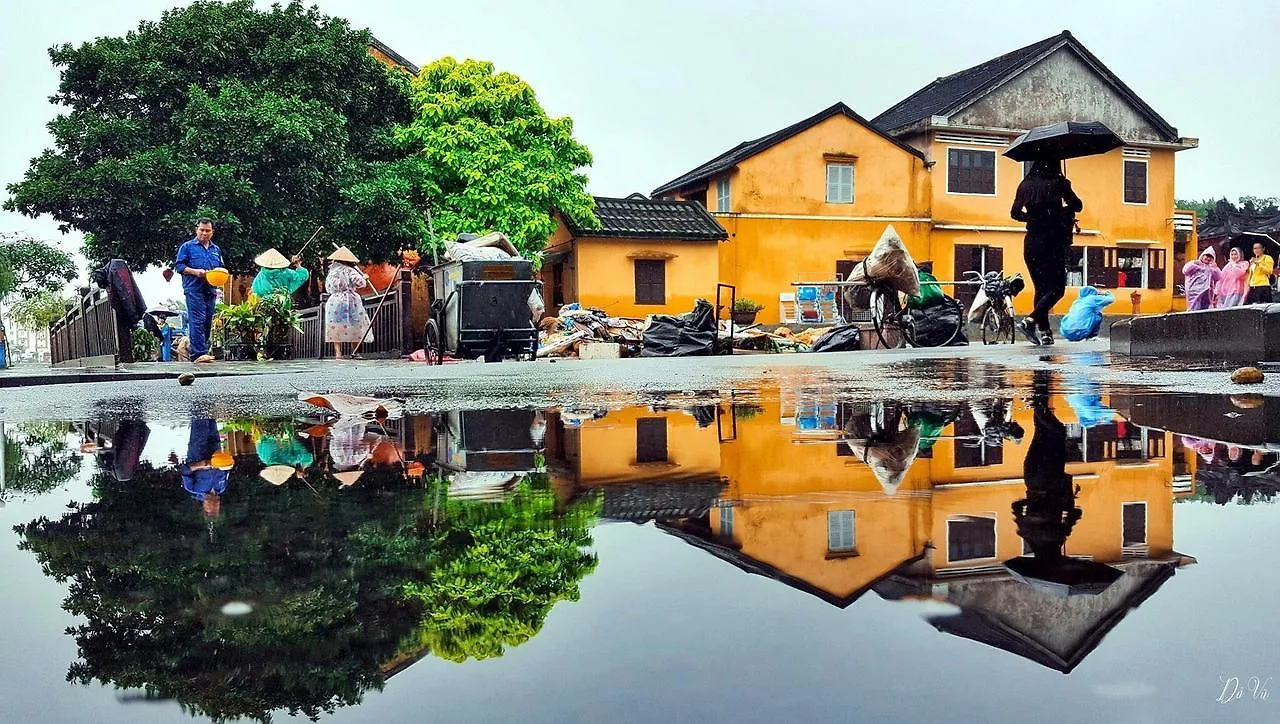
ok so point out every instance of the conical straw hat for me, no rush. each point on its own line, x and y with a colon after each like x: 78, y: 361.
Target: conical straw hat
x: 348, y: 478
x: 276, y: 474
x: 271, y: 259
x: 342, y: 253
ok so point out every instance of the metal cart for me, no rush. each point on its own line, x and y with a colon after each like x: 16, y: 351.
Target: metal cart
x: 481, y: 309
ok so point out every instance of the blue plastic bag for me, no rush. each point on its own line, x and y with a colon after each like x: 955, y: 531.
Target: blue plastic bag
x: 1084, y: 319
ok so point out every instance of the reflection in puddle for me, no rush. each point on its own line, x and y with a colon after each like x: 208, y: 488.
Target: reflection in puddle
x: 292, y: 565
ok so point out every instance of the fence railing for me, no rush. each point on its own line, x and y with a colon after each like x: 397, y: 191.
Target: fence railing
x: 90, y: 334
x: 393, y: 333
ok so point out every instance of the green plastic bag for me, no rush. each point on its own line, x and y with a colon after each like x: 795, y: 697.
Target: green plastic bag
x: 930, y: 294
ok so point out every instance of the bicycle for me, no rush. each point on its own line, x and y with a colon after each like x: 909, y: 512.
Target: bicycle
x: 998, y: 322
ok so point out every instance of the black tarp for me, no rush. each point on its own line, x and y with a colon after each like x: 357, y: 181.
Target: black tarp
x: 934, y: 325
x: 845, y: 338
x: 686, y: 335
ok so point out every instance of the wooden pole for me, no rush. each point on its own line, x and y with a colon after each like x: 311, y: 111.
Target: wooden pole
x: 386, y: 292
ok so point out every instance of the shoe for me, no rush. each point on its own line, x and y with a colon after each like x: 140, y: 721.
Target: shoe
x: 1046, y: 339
x: 1028, y: 329
x: 204, y: 359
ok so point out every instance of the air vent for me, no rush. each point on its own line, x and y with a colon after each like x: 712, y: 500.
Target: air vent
x: 969, y: 140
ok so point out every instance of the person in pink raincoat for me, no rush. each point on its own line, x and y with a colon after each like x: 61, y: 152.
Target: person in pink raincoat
x: 1234, y: 279
x: 1201, y: 276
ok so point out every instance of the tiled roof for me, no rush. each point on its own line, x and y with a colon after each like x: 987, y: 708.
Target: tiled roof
x: 386, y: 50
x: 951, y: 93
x: 641, y: 218
x: 747, y: 149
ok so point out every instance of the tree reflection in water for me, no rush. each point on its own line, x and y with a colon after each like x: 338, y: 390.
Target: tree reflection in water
x: 342, y: 584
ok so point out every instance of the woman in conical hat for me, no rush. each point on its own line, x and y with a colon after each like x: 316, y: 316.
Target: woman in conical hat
x: 345, y: 320
x: 277, y: 274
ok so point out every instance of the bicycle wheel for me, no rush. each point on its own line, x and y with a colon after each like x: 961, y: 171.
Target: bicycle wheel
x: 936, y: 335
x: 887, y: 317
x: 992, y: 322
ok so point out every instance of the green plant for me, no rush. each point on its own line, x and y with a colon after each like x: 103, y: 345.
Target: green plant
x: 746, y: 411
x: 40, y: 310
x: 747, y: 305
x: 278, y: 318
x: 144, y: 345
x: 242, y: 324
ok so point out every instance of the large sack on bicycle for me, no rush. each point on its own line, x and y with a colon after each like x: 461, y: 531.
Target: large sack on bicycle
x: 980, y: 303
x: 845, y: 338
x: 939, y: 325
x: 889, y: 262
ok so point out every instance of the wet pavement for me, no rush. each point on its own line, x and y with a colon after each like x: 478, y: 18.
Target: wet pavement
x: 985, y: 542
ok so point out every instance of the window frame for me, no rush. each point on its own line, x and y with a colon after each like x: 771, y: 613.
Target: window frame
x: 1146, y: 267
x: 852, y: 517
x: 1146, y: 181
x: 1146, y: 525
x: 966, y: 518
x: 995, y: 171
x: 636, y: 284
x: 724, y: 191
x: 852, y: 183
x: 726, y: 520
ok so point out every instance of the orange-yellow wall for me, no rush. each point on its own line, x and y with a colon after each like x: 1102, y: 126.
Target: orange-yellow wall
x: 607, y: 449
x: 605, y: 274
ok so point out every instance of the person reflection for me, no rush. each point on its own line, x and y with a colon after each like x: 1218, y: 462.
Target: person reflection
x: 207, y: 466
x: 1047, y: 514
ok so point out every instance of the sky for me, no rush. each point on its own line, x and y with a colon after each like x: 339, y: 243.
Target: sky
x: 658, y: 87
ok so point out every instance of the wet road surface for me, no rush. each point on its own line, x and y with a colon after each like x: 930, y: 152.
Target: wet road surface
x: 986, y: 543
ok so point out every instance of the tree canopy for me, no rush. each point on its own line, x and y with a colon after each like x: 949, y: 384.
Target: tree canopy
x: 29, y: 266
x: 489, y: 158
x: 39, y: 311
x: 1217, y: 210
x: 271, y: 122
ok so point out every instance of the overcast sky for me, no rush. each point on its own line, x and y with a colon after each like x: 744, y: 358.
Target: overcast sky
x: 657, y: 87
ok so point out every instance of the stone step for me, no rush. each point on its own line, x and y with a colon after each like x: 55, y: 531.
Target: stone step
x: 1238, y: 334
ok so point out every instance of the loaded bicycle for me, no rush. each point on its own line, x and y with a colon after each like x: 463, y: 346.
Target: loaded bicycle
x: 997, y: 320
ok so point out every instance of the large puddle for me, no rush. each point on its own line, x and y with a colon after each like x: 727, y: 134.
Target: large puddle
x: 778, y: 556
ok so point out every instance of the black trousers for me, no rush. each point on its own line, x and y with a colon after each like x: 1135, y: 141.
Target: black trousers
x: 1046, y: 259
x: 1258, y: 295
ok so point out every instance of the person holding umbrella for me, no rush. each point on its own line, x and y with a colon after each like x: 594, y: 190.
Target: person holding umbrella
x: 1048, y: 205
x: 1261, y: 267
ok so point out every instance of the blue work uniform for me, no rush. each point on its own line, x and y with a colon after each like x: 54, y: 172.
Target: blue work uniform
x: 202, y: 443
x: 201, y: 297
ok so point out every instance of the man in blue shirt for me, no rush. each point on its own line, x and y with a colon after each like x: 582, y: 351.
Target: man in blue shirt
x: 195, y: 258
x: 203, y: 475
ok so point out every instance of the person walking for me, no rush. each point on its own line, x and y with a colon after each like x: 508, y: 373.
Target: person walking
x: 277, y: 274
x: 1233, y: 280
x: 1048, y: 205
x: 1261, y: 266
x: 1201, y: 275
x: 195, y: 258
x: 345, y: 319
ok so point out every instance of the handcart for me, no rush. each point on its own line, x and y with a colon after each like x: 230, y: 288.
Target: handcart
x: 481, y: 309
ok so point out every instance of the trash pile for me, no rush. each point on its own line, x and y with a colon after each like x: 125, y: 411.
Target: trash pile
x: 573, y: 327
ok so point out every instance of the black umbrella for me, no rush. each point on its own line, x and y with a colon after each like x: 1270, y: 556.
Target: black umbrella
x: 1059, y: 141
x: 1064, y: 576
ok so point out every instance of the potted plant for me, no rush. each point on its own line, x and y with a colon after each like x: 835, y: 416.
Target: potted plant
x: 145, y: 345
x: 744, y: 311
x: 242, y: 326
x: 278, y: 320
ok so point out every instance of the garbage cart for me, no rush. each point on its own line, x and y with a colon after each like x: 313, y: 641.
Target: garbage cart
x: 481, y: 309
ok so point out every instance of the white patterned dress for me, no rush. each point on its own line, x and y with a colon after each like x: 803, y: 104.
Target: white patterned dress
x: 345, y: 319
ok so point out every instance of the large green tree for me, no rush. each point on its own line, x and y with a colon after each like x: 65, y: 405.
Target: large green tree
x: 29, y: 266
x: 487, y: 157
x: 270, y: 121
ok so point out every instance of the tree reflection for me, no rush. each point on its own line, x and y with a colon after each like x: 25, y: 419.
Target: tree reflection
x: 37, y: 459
x: 335, y: 584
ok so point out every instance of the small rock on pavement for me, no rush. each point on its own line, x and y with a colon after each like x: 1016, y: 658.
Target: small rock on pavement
x: 186, y: 378
x: 1247, y: 376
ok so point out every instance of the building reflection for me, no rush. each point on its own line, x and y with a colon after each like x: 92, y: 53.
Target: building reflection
x: 912, y: 502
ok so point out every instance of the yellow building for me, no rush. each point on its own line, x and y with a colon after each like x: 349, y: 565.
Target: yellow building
x: 805, y: 202
x: 647, y: 257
